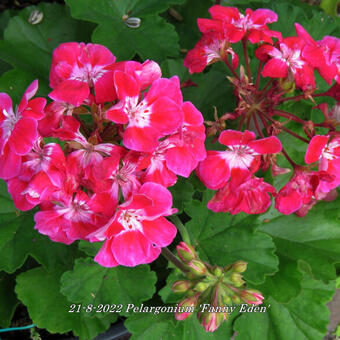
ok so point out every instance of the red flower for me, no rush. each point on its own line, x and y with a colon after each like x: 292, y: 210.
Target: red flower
x: 76, y: 68
x: 242, y: 157
x: 18, y: 130
x: 138, y: 230
x: 251, y: 197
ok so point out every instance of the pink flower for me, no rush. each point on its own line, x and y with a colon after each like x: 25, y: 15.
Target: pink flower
x: 18, y: 130
x: 252, y: 25
x: 212, y: 47
x: 76, y: 68
x: 138, y: 230
x: 325, y: 150
x: 67, y: 218
x: 287, y: 61
x: 157, y: 115
x: 251, y: 197
x: 242, y: 157
x: 301, y: 192
x: 331, y: 49
x: 188, y: 143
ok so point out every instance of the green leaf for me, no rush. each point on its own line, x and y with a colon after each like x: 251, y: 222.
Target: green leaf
x: 90, y: 283
x: 88, y: 248
x: 48, y: 308
x: 224, y: 239
x: 15, y: 81
x: 8, y: 299
x: 154, y: 39
x: 167, y: 295
x: 29, y: 47
x: 213, y: 90
x: 305, y: 317
x: 284, y: 284
x: 338, y: 283
x: 182, y: 193
x: 148, y: 326
x: 164, y: 326
x: 314, y: 238
x: 6, y: 203
x: 19, y: 240
x: 330, y: 6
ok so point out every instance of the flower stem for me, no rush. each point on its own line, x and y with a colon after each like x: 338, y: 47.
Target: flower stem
x: 225, y: 59
x: 289, y: 116
x: 181, y: 228
x: 245, y: 53
x: 172, y: 258
x: 285, y: 129
x: 292, y: 163
x: 258, y: 75
x: 258, y: 126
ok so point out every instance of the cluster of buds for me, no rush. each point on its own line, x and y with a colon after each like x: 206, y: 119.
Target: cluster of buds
x: 212, y: 289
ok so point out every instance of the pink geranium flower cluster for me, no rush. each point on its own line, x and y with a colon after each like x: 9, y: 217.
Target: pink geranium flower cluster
x: 108, y: 182
x: 290, y: 63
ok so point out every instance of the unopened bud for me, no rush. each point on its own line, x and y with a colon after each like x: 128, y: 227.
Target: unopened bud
x: 211, y: 321
x: 237, y: 279
x: 197, y: 267
x: 240, y: 266
x: 227, y: 300
x: 287, y: 85
x: 181, y: 286
x: 236, y: 299
x: 218, y: 271
x: 201, y: 286
x: 186, y: 252
x: 252, y: 296
x: 187, y: 307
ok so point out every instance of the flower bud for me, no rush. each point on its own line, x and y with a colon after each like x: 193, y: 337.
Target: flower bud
x: 187, y: 307
x: 197, y: 267
x: 227, y: 300
x: 186, y: 252
x: 236, y: 279
x: 211, y: 321
x: 201, y: 286
x: 252, y: 296
x: 218, y: 271
x: 236, y: 299
x: 181, y: 286
x: 240, y: 266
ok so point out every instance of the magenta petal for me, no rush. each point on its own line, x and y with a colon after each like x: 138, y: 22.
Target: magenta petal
x: 266, y: 145
x: 275, y: 68
x: 126, y: 85
x: 23, y: 136
x: 131, y: 248
x: 15, y: 188
x: 117, y: 114
x: 71, y: 91
x: 160, y: 196
x: 10, y: 164
x: 159, y: 231
x: 165, y: 88
x: 5, y: 104
x: 105, y: 256
x: 191, y: 115
x: 232, y: 137
x: 180, y: 161
x: 219, y: 12
x: 29, y: 93
x: 104, y: 89
x: 214, y: 171
x: 140, y: 139
x: 315, y: 148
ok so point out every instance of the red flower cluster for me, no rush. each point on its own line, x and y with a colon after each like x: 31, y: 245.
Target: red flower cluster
x: 291, y: 63
x: 95, y: 188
